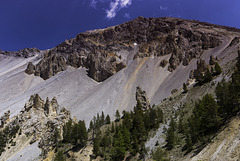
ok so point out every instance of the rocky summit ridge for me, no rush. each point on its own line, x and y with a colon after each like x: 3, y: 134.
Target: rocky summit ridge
x: 100, y: 51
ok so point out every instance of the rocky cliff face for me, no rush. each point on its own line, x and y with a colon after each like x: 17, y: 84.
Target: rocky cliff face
x: 99, y: 50
x: 39, y: 120
x: 50, y: 65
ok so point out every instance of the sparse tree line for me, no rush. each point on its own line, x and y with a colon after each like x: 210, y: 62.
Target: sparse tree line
x: 209, y: 113
x: 208, y: 75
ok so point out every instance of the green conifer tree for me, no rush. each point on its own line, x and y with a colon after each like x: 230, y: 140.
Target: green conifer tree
x: 107, y: 120
x: 218, y: 69
x: 102, y: 121
x: 185, y: 89
x: 117, y: 115
x: 119, y: 148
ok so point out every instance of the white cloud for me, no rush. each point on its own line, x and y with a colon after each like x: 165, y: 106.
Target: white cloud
x: 114, y: 6
x: 93, y: 3
x: 127, y: 15
x: 163, y: 8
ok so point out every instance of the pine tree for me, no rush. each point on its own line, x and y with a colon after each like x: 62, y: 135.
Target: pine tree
x: 147, y: 120
x: 96, y: 146
x: 180, y: 126
x: 60, y: 156
x: 135, y: 141
x: 126, y: 137
x: 82, y: 133
x: 208, y: 110
x: 75, y: 134
x: 117, y: 115
x: 188, y: 143
x: 102, y: 119
x: 127, y: 120
x: 171, y: 135
x: 138, y: 124
x: 218, y: 69
x: 173, y: 124
x: 119, y: 148
x: 107, y: 120
x: 67, y: 130
x: 112, y: 128
x: 208, y: 77
x: 224, y: 99
x: 91, y: 125
x: 98, y: 121
x: 160, y: 155
x: 185, y: 90
x: 159, y: 115
x: 105, y: 144
x: 153, y: 118
x: 234, y: 87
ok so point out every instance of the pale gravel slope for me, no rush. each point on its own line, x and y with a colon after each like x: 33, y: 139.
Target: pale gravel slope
x: 29, y: 153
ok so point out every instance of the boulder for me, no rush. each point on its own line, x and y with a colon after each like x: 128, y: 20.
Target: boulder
x: 30, y: 68
x: 163, y: 63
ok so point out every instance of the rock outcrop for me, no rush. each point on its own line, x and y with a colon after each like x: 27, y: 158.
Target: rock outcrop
x: 30, y: 68
x: 163, y: 63
x: 99, y: 50
x: 141, y: 97
x: 50, y: 65
x: 40, y: 120
x: 24, y: 53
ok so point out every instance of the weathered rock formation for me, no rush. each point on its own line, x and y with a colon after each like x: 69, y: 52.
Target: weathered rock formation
x: 141, y: 97
x: 30, y: 68
x: 163, y: 63
x: 50, y: 65
x: 99, y: 50
x: 40, y: 120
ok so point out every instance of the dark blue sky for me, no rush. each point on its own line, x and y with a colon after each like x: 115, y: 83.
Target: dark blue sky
x: 46, y: 23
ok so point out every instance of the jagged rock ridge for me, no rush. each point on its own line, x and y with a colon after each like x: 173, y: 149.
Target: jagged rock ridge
x: 24, y: 53
x: 99, y: 50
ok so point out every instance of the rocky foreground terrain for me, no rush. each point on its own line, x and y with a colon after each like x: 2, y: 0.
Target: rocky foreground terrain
x: 100, y: 70
x: 37, y: 121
